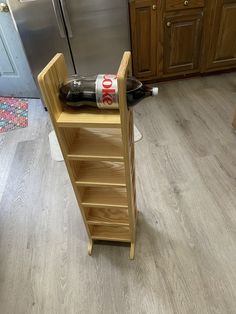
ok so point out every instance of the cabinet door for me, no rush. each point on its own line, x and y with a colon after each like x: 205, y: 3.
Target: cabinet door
x: 182, y: 40
x: 143, y: 16
x: 222, y: 50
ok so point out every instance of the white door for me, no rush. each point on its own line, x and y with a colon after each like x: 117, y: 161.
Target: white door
x: 15, y: 76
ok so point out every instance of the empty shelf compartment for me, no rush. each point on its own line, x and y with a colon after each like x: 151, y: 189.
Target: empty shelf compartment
x: 107, y: 216
x: 106, y: 233
x: 103, y: 197
x: 93, y: 144
x: 98, y: 173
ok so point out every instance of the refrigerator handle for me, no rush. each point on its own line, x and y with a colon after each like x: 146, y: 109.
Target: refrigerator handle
x: 66, y: 17
x: 59, y: 19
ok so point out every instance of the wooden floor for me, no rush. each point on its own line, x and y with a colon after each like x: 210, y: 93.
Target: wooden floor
x: 186, y: 188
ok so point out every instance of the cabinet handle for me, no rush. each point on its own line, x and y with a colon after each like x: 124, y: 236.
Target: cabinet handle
x: 186, y: 2
x: 168, y: 24
x: 154, y: 7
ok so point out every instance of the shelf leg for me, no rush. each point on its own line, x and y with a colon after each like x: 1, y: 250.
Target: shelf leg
x: 90, y: 247
x: 132, y: 249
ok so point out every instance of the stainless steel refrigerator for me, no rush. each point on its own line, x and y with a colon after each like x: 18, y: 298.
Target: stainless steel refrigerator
x: 92, y: 34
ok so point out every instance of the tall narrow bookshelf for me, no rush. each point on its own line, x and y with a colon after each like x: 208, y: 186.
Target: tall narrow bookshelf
x: 98, y: 149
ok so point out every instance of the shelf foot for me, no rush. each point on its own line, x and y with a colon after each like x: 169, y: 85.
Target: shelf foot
x: 90, y: 247
x: 132, y: 249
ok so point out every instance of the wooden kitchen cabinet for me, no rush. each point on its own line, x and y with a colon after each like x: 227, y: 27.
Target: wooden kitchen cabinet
x: 143, y: 16
x: 174, y: 38
x: 222, y: 47
x: 182, y: 41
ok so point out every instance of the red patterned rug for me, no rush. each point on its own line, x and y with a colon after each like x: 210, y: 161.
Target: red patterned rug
x: 13, y: 113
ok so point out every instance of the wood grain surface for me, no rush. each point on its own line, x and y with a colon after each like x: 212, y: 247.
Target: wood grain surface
x: 186, y: 192
x: 105, y: 216
x: 183, y: 5
x: 187, y: 30
x: 96, y: 143
x: 143, y: 20
x: 175, y: 38
x: 100, y: 173
x: 110, y: 233
x: 83, y: 118
x: 104, y: 197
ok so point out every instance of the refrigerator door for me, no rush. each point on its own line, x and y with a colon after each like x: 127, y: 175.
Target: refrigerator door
x: 42, y: 31
x: 98, y: 32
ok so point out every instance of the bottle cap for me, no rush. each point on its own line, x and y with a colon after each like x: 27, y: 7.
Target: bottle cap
x: 154, y: 91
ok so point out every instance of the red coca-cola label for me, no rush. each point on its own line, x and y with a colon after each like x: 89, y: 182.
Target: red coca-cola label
x: 107, y: 91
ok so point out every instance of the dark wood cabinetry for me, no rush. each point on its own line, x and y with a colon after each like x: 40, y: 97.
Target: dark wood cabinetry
x: 144, y: 37
x: 178, y: 37
x: 222, y: 48
x: 183, y: 4
x: 182, y: 40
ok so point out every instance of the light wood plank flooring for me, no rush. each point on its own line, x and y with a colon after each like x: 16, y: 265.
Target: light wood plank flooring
x: 186, y: 191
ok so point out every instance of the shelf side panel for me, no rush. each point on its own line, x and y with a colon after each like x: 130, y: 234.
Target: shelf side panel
x: 127, y: 137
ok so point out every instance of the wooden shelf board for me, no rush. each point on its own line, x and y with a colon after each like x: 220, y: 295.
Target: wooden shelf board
x: 121, y: 234
x: 105, y: 197
x: 95, y: 157
x: 89, y: 117
x: 109, y: 217
x: 89, y: 145
x: 98, y: 184
x: 100, y: 174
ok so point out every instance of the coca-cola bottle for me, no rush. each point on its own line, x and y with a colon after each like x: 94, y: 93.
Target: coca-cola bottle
x: 102, y: 91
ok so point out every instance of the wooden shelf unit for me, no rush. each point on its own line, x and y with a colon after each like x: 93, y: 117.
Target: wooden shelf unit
x: 98, y: 149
